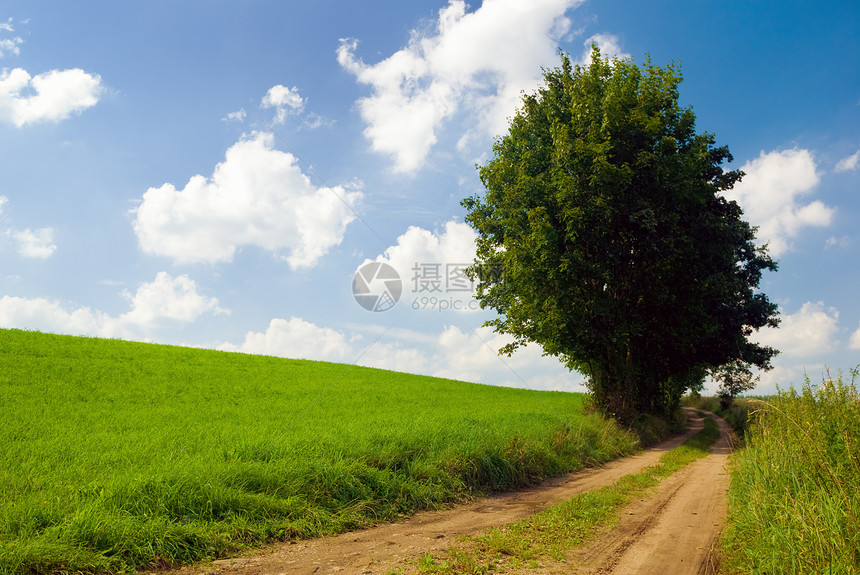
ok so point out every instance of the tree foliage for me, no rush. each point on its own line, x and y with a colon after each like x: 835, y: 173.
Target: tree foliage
x: 603, y: 236
x: 735, y: 377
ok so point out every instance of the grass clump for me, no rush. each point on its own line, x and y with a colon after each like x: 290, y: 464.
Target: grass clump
x: 116, y: 456
x: 794, y: 502
x: 554, y: 531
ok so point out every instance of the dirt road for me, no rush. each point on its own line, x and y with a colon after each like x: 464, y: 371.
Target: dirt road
x: 674, y: 527
x: 672, y: 531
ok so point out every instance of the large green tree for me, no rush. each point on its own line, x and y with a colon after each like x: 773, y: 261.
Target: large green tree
x: 603, y: 236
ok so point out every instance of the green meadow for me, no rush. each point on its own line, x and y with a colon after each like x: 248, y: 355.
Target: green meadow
x: 116, y: 456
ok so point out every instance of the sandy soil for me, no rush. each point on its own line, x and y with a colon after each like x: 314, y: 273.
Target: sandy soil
x: 674, y: 530
x: 670, y: 532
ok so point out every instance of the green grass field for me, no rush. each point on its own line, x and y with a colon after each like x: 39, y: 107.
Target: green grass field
x: 118, y: 455
x: 794, y: 502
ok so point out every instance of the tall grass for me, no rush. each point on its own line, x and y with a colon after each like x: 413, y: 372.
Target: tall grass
x: 794, y: 503
x: 118, y: 455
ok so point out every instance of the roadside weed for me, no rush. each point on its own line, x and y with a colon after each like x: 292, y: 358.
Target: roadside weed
x: 794, y: 504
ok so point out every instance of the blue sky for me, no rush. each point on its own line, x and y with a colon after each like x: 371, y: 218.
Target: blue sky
x: 213, y: 174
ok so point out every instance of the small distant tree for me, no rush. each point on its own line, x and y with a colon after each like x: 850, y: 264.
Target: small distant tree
x: 735, y: 378
x: 619, y: 253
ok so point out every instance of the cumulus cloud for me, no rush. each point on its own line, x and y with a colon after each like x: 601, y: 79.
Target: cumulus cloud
x: 453, y: 353
x: 48, y: 97
x: 810, y: 331
x: 803, y: 337
x: 298, y: 339
x: 472, y: 355
x: 30, y: 244
x: 51, y: 316
x: 849, y: 164
x: 771, y: 196
x: 166, y: 301
x: 781, y: 376
x: 257, y: 196
x: 396, y: 356
x: 285, y: 101
x: 431, y: 264
x: 478, y: 61
x: 168, y: 298
x: 469, y: 354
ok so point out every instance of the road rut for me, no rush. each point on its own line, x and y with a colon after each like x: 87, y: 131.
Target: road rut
x: 672, y: 531
x: 381, y: 548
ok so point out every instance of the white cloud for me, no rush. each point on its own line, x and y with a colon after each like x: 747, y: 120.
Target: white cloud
x: 802, y: 338
x: 841, y: 242
x: 478, y: 61
x: 237, y: 116
x: 468, y: 354
x: 811, y: 331
x: 396, y: 356
x: 165, y: 301
x: 285, y: 100
x: 9, y: 45
x: 257, y: 196
x: 299, y: 339
x: 168, y: 298
x: 50, y: 316
x: 296, y: 338
x: 35, y: 244
x: 452, y: 353
x: 49, y: 97
x: 789, y: 375
x: 30, y: 244
x: 849, y: 164
x: 473, y: 356
x: 430, y: 264
x: 314, y: 121
x: 854, y: 342
x: 609, y: 44
x: 770, y: 195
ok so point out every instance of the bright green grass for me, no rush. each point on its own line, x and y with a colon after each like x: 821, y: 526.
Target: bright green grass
x: 116, y: 455
x: 551, y: 533
x: 794, y: 501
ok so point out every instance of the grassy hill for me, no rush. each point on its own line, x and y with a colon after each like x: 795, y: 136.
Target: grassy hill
x: 116, y: 455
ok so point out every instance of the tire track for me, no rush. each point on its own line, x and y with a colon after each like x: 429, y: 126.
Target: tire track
x: 674, y: 530
x: 380, y: 548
